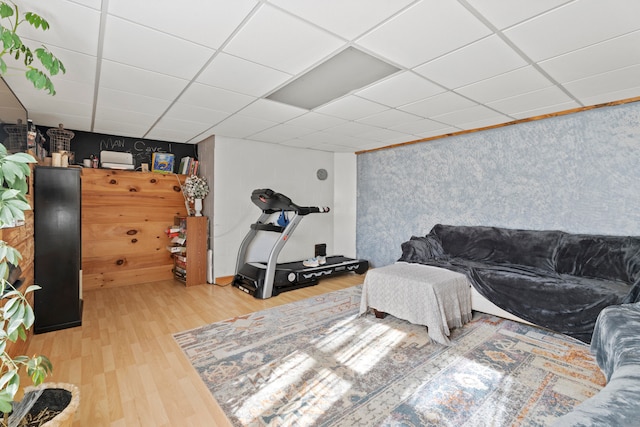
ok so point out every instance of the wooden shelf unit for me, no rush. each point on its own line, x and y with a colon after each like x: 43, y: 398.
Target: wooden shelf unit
x: 193, y: 260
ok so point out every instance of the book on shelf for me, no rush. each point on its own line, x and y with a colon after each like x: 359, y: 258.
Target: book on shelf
x: 188, y: 166
x: 179, y: 239
x: 176, y: 249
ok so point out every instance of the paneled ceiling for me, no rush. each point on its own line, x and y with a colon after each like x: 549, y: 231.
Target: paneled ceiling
x: 181, y: 71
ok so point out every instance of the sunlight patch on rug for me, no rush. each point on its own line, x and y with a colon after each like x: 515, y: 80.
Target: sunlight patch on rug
x: 316, y: 362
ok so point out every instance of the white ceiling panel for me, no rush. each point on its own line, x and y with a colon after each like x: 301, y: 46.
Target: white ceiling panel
x: 133, y: 102
x: 574, y: 26
x: 238, y: 126
x: 624, y: 80
x: 531, y: 101
x: 620, y: 52
x: 438, y: 104
x: 72, y: 25
x: 389, y: 118
x: 400, y: 89
x: 211, y: 22
x: 149, y: 49
x: 347, y: 19
x: 351, y: 108
x: 425, y: 31
x: 281, y: 133
x: 520, y: 81
x: 272, y: 111
x: 215, y: 98
x: 316, y: 121
x: 505, y: 14
x: 142, y: 82
x: 242, y: 76
x: 281, y: 41
x: 184, y: 71
x: 481, y: 60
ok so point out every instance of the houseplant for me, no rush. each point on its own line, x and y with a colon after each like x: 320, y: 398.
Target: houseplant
x: 12, y: 45
x: 16, y: 315
x: 195, y: 189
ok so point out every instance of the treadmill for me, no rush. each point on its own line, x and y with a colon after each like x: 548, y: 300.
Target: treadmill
x: 266, y: 278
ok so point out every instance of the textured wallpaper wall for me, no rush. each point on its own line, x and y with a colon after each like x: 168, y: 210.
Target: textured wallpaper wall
x: 577, y: 173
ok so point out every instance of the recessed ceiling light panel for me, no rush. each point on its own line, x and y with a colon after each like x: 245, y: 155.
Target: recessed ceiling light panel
x: 349, y: 70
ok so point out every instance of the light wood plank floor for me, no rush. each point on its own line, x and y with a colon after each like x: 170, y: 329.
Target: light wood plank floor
x: 130, y: 370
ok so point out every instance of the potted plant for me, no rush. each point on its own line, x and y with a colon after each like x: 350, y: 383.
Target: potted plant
x: 12, y: 44
x: 195, y: 189
x: 16, y: 315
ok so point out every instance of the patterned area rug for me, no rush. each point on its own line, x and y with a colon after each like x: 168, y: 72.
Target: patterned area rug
x: 315, y: 362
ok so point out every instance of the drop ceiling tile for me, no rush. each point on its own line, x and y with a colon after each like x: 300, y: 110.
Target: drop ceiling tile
x: 127, y: 101
x: 389, y: 118
x: 238, y: 126
x: 272, y: 111
x: 351, y: 108
x: 438, y: 104
x: 133, y: 44
x: 38, y: 102
x: 72, y: 26
x: 420, y: 127
x: 172, y: 129
x: 504, y: 14
x: 619, y: 52
x: 126, y: 78
x: 192, y: 113
x: 210, y: 22
x: 348, y: 19
x: 478, y: 113
x: 120, y: 128
x: 482, y: 123
x: 350, y: 129
x: 575, y: 25
x: 400, y: 89
x: 238, y: 75
x: 602, y: 98
x: 278, y: 40
x: 113, y: 115
x: 624, y: 81
x: 531, y: 101
x: 52, y: 119
x: 386, y: 135
x: 408, y: 38
x: 439, y: 132
x: 480, y: 60
x: 550, y: 109
x: 520, y: 81
x: 214, y: 98
x: 316, y: 121
x: 281, y: 133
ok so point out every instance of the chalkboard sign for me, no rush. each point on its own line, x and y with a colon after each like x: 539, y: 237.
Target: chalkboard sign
x: 85, y: 144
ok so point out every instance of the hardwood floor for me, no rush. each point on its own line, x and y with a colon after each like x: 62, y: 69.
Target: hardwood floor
x: 129, y: 369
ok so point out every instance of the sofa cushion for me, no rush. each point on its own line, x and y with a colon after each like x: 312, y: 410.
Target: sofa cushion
x: 605, y: 257
x: 571, y: 304
x: 499, y: 245
x: 418, y: 249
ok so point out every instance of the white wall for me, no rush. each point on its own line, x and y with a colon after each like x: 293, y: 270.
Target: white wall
x: 344, y: 204
x: 206, y: 155
x: 242, y: 166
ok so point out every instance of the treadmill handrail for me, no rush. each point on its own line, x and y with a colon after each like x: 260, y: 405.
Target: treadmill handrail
x: 271, y: 202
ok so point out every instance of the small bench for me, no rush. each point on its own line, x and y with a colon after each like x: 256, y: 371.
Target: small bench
x: 435, y: 297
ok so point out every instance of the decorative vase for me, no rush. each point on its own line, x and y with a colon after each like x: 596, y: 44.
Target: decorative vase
x: 197, y: 206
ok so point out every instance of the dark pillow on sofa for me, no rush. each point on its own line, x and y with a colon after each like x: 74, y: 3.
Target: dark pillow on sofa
x: 419, y: 249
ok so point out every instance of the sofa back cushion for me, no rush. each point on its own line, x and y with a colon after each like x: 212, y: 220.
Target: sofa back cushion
x: 499, y: 245
x: 602, y: 257
x: 421, y: 249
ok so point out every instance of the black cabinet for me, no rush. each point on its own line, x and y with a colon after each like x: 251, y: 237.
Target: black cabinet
x: 57, y: 260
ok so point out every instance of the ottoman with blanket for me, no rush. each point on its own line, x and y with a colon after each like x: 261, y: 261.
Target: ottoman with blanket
x: 437, y: 298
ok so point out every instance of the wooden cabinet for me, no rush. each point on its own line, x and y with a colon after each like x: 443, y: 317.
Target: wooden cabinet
x: 190, y: 258
x: 58, y: 304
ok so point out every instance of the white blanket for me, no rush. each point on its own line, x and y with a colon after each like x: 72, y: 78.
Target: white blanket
x: 435, y: 297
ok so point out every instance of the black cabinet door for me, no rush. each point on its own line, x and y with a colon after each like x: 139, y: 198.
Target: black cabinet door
x: 57, y: 260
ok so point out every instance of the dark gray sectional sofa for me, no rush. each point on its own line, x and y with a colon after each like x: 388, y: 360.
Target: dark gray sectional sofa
x: 554, y: 279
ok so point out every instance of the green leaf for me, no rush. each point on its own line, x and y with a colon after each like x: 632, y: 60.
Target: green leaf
x: 20, y: 158
x: 5, y: 10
